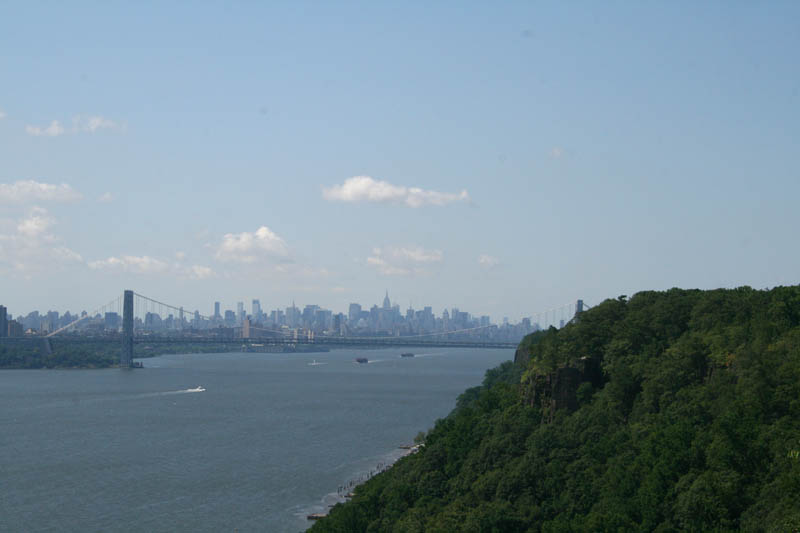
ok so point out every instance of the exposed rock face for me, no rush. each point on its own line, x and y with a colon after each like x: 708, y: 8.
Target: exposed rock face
x: 558, y: 389
x: 522, y: 356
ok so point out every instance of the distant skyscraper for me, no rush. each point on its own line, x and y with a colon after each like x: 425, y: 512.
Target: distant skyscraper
x: 387, y: 304
x: 216, y: 310
x: 112, y: 321
x: 354, y: 313
x: 239, y: 312
x: 256, y: 309
x: 3, y: 321
x: 14, y: 329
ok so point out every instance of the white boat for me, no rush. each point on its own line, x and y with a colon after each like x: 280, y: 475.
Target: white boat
x: 198, y: 389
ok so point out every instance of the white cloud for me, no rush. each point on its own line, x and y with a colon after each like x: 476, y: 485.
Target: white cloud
x: 65, y: 254
x: 367, y: 189
x: 180, y: 256
x: 249, y: 247
x: 145, y: 264
x: 53, y: 130
x: 36, y: 224
x: 29, y: 190
x: 105, y: 198
x: 80, y: 124
x: 396, y: 261
x: 200, y: 272
x: 131, y: 263
x: 487, y: 261
x: 94, y: 123
x: 556, y: 152
x: 28, y: 247
x: 417, y: 255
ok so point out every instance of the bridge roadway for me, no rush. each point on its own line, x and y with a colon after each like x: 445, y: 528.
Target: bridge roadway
x: 377, y: 342
x: 336, y: 341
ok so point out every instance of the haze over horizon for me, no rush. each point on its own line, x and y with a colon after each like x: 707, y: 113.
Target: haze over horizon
x: 500, y: 160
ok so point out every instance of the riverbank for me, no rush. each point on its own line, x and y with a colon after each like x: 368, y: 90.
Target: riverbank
x: 348, y: 489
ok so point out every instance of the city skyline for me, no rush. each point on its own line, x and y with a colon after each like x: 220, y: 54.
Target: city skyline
x: 499, y: 160
x: 220, y: 314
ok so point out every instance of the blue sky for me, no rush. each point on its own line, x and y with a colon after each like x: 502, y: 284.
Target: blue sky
x: 513, y: 157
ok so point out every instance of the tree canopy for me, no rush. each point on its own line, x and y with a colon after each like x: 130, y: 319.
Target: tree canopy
x: 689, y: 422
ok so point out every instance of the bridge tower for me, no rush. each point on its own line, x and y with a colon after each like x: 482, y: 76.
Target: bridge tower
x: 126, y: 358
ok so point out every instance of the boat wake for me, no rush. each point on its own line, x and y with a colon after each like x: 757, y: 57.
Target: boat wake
x: 199, y: 388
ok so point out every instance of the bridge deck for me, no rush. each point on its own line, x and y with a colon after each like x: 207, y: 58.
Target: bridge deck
x: 274, y: 341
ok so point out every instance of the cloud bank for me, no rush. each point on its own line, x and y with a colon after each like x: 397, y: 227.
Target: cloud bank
x: 144, y: 264
x: 28, y: 246
x: 367, y: 189
x: 80, y: 124
x: 26, y: 191
x: 398, y: 261
x: 131, y: 263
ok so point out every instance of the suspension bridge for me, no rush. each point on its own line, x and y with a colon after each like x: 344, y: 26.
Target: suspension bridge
x: 140, y: 315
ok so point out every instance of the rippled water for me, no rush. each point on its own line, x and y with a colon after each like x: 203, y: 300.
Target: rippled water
x: 268, y: 440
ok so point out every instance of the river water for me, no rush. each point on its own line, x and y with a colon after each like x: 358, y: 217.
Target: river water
x: 268, y: 441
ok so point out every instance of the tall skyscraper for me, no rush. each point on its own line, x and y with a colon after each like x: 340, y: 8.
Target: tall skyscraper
x: 216, y: 310
x: 239, y: 312
x: 354, y: 313
x: 3, y: 321
x: 256, y: 309
x: 387, y: 304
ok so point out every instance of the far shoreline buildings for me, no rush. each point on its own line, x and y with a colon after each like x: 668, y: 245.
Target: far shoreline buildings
x: 384, y: 320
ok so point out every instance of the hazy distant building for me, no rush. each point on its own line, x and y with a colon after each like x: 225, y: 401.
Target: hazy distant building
x: 112, y: 321
x: 387, y: 304
x: 354, y: 313
x: 3, y: 321
x: 256, y: 310
x: 308, y: 315
x: 216, y: 311
x: 14, y: 329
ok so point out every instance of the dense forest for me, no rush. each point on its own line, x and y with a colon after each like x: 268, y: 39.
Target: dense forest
x: 668, y: 411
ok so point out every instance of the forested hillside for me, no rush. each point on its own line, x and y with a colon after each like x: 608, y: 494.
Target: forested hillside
x: 668, y: 411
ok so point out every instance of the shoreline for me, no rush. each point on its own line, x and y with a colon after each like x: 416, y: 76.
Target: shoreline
x: 347, y: 490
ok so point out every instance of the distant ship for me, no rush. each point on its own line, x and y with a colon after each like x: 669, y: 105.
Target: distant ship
x: 198, y: 389
x: 362, y: 360
x: 407, y: 354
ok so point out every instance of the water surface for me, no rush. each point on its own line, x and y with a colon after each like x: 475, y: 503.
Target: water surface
x: 267, y: 442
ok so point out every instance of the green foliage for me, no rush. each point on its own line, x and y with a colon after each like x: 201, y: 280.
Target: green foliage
x: 693, y: 424
x: 72, y: 355
x: 89, y: 354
